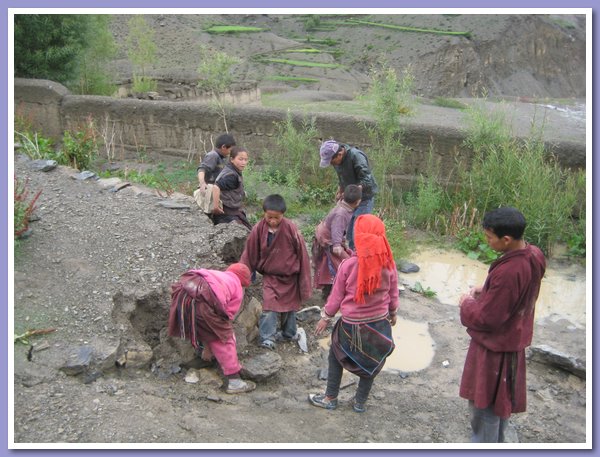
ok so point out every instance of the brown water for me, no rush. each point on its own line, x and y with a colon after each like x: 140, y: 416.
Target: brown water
x: 563, y: 295
x: 451, y: 273
x: 414, y: 347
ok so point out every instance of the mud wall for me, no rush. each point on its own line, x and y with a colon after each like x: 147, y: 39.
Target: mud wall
x: 169, y: 129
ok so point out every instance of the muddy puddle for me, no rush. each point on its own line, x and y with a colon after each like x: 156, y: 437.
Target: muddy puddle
x: 451, y: 273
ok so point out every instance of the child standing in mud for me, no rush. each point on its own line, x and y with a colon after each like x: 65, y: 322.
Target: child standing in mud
x: 329, y: 244
x: 365, y: 292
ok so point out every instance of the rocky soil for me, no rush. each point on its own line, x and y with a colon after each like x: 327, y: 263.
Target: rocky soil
x: 97, y: 266
x: 96, y: 269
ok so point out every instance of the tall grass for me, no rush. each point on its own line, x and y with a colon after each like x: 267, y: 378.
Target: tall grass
x: 388, y: 98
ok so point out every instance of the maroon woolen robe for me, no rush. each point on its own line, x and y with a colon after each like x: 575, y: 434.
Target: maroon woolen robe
x: 330, y: 232
x: 284, y: 264
x: 500, y: 323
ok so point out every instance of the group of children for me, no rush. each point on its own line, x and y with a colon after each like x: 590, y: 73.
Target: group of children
x: 276, y: 249
x: 359, y: 280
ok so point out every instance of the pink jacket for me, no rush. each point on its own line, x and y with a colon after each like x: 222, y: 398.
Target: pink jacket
x: 377, y: 305
x: 227, y: 288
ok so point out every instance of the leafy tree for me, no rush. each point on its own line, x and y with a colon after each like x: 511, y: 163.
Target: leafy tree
x: 47, y: 46
x: 216, y: 76
x: 93, y: 70
x: 72, y: 49
x: 141, y: 50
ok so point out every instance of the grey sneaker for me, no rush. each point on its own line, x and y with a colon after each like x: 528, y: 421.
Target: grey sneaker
x: 358, y: 407
x: 239, y: 386
x: 268, y: 344
x: 279, y: 337
x: 321, y: 401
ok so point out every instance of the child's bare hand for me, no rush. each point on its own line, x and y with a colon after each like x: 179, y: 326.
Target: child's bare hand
x: 321, y: 326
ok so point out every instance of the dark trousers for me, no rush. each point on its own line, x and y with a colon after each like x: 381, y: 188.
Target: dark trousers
x: 334, y: 379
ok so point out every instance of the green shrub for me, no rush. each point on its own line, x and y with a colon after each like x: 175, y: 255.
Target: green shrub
x: 79, y: 147
x: 142, y: 84
x: 474, y: 244
x: 510, y: 172
x: 34, y: 145
x: 387, y: 97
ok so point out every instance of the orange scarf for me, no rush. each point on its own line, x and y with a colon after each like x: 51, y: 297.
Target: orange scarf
x: 374, y: 254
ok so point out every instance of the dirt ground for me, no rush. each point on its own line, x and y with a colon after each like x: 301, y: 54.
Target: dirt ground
x: 90, y: 244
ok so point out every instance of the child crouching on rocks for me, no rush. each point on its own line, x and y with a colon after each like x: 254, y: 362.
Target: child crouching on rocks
x: 203, y: 306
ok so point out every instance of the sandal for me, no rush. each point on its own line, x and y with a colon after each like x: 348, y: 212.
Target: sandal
x: 321, y: 401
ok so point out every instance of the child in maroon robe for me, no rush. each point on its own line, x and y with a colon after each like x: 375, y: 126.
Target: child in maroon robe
x: 329, y: 244
x: 499, y: 319
x: 276, y: 249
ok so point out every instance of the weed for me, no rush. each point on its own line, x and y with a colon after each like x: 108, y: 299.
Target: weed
x: 79, y: 147
x: 142, y: 84
x: 24, y: 207
x: 576, y: 245
x: 473, y: 244
x: 34, y: 145
x: 418, y: 288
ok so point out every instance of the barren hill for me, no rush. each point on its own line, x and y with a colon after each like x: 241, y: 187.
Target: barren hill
x: 451, y: 55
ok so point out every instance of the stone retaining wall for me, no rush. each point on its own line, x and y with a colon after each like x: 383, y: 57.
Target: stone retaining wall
x: 182, y: 129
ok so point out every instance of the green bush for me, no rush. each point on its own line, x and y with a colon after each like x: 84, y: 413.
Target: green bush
x: 474, y: 244
x: 142, y: 84
x: 79, y: 147
x: 510, y: 172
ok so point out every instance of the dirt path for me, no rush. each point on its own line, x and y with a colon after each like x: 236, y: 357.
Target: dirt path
x: 91, y: 243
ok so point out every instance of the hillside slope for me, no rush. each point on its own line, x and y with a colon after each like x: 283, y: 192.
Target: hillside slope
x: 503, y: 55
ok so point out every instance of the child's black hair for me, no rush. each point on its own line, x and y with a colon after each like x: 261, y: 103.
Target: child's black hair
x: 505, y: 221
x: 235, y: 151
x: 352, y: 194
x: 226, y: 140
x: 274, y: 202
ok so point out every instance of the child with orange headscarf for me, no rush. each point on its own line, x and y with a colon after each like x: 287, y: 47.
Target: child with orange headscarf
x: 365, y: 292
